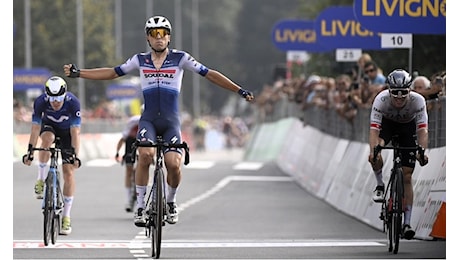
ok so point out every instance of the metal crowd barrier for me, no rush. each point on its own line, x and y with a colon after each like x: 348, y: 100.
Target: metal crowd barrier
x: 329, y: 122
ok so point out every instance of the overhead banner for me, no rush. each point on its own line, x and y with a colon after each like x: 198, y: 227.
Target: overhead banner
x: 337, y: 27
x: 34, y: 78
x: 296, y: 35
x: 402, y: 16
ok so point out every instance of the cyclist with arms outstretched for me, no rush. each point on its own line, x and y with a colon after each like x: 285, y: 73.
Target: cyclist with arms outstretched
x: 56, y: 113
x: 161, y: 72
x: 398, y: 111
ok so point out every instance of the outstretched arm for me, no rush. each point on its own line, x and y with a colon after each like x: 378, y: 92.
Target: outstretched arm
x: 221, y: 80
x: 96, y: 73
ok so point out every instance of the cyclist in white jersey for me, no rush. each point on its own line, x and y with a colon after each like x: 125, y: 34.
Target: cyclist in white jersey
x: 161, y: 72
x: 399, y: 111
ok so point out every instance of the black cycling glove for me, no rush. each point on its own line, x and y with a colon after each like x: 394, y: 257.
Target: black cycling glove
x: 30, y: 154
x: 74, y: 71
x: 244, y: 93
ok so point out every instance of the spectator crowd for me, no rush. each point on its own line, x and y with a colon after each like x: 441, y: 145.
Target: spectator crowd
x: 345, y: 93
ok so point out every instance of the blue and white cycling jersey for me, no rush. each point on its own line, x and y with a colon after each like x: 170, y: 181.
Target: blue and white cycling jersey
x: 161, y: 88
x: 65, y: 118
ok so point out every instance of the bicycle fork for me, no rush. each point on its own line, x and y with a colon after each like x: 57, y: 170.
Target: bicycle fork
x: 53, y: 183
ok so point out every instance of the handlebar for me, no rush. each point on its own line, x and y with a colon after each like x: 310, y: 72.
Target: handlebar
x: 161, y: 145
x: 54, y: 150
x: 50, y: 149
x: 420, y: 150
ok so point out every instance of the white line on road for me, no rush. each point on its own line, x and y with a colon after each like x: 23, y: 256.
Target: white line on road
x: 221, y: 184
x: 146, y: 243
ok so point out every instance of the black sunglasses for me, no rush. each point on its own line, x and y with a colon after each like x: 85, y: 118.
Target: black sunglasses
x: 399, y: 92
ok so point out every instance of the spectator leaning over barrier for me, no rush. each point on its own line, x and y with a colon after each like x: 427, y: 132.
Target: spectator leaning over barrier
x: 438, y: 85
x: 161, y: 71
x: 429, y: 90
x: 420, y: 85
x: 343, y: 103
x: 398, y: 111
x: 363, y: 94
x: 374, y: 76
x: 309, y: 90
x: 439, y: 78
x: 363, y: 59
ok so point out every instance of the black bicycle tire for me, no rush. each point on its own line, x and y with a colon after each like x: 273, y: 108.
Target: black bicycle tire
x: 150, y: 215
x: 398, y: 207
x: 159, y: 217
x: 55, y: 228
x: 390, y: 224
x: 47, y: 214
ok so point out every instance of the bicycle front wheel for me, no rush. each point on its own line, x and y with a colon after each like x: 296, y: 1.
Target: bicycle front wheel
x: 389, y: 223
x: 397, y: 194
x: 159, y: 209
x: 55, y: 227
x: 47, y: 214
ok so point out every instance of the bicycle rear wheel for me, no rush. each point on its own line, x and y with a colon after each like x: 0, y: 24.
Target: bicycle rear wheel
x: 159, y: 210
x: 397, y: 193
x: 47, y: 214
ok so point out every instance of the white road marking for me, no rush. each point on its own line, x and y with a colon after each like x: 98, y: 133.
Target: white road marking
x: 136, y: 248
x: 254, y: 166
x: 221, y: 184
x: 226, y: 181
x: 200, y: 165
x: 101, y: 163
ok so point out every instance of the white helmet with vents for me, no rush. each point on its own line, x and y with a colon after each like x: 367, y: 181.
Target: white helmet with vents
x: 157, y: 22
x: 55, y: 86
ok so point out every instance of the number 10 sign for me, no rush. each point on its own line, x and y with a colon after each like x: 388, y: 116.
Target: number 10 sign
x: 396, y: 40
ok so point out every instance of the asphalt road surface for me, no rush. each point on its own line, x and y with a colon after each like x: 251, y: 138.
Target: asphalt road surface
x: 229, y: 209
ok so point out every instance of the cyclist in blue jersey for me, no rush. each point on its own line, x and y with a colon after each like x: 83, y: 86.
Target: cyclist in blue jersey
x: 56, y: 113
x: 161, y: 71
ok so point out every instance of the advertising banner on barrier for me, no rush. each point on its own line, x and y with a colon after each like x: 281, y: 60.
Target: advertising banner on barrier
x: 402, y: 16
x: 337, y: 27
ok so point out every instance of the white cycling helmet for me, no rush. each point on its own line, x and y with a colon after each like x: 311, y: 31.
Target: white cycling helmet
x: 157, y: 22
x: 55, y: 86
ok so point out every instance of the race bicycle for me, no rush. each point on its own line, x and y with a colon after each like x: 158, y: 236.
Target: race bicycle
x: 53, y: 199
x: 155, y: 206
x: 393, y: 204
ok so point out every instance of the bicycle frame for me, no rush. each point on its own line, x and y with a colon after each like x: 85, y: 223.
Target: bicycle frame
x: 53, y: 199
x: 156, y: 201
x: 393, y: 205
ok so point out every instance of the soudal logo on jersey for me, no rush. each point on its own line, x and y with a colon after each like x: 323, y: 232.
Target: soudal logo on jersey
x: 169, y: 73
